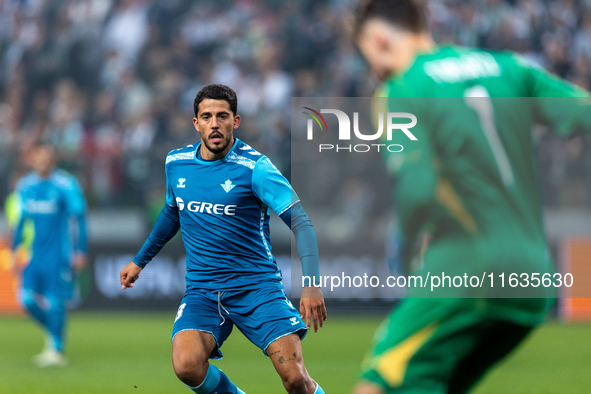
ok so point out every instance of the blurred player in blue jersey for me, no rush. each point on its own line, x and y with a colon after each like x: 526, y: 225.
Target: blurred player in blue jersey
x: 49, y: 197
x: 219, y: 193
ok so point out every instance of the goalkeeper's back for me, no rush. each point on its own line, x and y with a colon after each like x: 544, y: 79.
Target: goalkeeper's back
x: 471, y: 173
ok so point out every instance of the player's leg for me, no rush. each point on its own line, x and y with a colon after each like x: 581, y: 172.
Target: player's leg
x: 199, y: 330
x: 402, y: 334
x: 425, y: 346
x: 56, y: 321
x: 42, y: 297
x: 498, y: 339
x: 53, y: 355
x: 190, y: 355
x: 59, y: 290
x: 287, y: 358
x: 30, y: 297
x: 269, y: 320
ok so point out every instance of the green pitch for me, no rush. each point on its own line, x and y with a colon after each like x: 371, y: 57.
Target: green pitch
x: 112, y: 353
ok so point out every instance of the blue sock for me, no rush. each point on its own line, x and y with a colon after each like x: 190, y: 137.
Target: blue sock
x: 318, y: 389
x: 216, y: 382
x: 56, y: 319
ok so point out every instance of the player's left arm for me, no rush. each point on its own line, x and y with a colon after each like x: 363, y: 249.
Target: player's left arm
x: 312, y: 302
x: 415, y: 185
x: 414, y: 171
x: 76, y: 207
x: 559, y: 103
x: 271, y: 187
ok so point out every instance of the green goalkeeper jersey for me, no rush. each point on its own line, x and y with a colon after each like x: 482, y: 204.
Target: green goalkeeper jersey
x: 470, y: 177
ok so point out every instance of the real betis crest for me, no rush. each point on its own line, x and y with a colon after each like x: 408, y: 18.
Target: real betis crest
x: 228, y: 186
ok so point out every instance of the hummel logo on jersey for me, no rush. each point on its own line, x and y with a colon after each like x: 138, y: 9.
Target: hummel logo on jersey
x: 227, y: 186
x: 181, y: 183
x: 294, y: 321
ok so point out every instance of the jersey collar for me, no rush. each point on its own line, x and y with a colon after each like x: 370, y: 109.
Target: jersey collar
x: 214, y: 162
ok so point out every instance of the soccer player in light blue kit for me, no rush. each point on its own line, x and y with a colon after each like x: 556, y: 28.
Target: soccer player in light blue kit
x: 49, y: 197
x: 219, y: 193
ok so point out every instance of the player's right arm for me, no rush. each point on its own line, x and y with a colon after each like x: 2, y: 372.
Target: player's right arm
x: 559, y: 103
x: 166, y: 227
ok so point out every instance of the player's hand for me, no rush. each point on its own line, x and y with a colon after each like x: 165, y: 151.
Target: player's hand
x: 312, y: 307
x: 129, y: 274
x: 79, y: 261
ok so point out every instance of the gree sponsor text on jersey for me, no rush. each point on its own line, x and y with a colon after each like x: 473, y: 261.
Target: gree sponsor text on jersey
x: 207, y: 207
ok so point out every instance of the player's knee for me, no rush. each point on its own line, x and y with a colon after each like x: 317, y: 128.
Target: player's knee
x: 55, y: 304
x: 296, y: 381
x: 190, y: 371
x: 27, y: 299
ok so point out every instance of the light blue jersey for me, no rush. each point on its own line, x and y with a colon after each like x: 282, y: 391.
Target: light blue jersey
x: 223, y: 206
x: 49, y: 203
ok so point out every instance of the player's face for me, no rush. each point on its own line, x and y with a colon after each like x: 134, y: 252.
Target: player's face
x: 43, y: 160
x: 374, y: 56
x: 215, y: 122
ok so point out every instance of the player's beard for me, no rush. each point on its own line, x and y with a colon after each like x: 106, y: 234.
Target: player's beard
x: 219, y: 148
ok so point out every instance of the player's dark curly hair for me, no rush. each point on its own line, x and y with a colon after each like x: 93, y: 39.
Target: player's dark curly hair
x: 217, y: 92
x: 409, y: 15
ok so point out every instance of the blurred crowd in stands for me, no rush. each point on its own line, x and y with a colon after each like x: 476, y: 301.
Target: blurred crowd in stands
x: 111, y: 83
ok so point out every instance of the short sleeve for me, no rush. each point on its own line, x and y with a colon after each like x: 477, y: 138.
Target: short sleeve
x: 271, y: 187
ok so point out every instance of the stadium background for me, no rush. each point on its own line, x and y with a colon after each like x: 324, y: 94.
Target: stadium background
x: 111, y: 84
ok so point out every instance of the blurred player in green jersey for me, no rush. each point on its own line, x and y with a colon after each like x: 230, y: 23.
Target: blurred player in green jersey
x: 470, y: 179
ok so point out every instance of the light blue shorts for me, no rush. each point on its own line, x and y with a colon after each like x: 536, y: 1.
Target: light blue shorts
x: 263, y: 315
